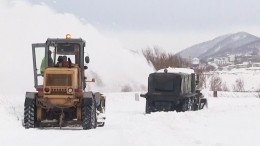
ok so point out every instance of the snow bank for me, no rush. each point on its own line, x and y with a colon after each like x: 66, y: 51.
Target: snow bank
x: 228, y: 121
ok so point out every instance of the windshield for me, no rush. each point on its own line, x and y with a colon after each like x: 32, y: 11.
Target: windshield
x: 66, y: 52
x: 164, y: 83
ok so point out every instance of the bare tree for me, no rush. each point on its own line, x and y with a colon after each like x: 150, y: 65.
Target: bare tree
x: 161, y: 59
x: 215, y: 83
x: 239, y: 85
x: 224, y: 87
x: 202, y: 77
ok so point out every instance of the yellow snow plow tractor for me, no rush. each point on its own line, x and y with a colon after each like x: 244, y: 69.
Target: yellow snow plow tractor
x: 61, y: 98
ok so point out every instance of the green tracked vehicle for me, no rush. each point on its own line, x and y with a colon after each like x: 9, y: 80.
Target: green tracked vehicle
x: 173, y: 89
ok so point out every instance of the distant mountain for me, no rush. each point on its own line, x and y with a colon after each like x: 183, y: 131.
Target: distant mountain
x: 237, y: 43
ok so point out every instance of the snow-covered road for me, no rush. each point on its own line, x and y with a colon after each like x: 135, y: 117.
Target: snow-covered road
x: 229, y: 121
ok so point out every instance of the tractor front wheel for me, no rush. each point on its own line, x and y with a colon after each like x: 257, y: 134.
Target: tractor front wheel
x: 29, y: 113
x: 89, y: 119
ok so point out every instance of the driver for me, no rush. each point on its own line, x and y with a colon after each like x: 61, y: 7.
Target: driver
x: 50, y: 62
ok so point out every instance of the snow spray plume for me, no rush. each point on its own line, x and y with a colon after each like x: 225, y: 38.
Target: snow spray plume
x: 23, y: 24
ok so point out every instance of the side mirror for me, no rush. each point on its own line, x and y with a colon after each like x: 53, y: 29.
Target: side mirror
x: 143, y: 95
x: 87, y: 59
x: 92, y: 80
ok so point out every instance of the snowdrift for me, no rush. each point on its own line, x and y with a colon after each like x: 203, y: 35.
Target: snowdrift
x: 227, y: 121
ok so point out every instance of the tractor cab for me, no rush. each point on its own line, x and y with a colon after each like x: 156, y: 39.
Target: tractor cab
x: 59, y: 54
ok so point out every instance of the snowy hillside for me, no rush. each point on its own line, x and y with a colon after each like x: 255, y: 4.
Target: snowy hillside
x: 236, y: 43
x: 198, y: 49
x: 229, y: 121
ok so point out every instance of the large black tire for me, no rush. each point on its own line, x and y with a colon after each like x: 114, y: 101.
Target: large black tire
x: 185, y: 105
x: 190, y: 104
x: 203, y: 102
x: 94, y: 114
x: 196, y: 103
x: 101, y: 109
x: 148, y: 109
x: 86, y: 115
x: 102, y: 106
x: 89, y: 119
x: 29, y: 113
x: 101, y: 124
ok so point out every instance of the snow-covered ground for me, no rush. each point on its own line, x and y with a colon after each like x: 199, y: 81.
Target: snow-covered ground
x: 229, y: 121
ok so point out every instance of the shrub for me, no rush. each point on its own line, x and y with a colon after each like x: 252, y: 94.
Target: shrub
x: 239, y: 85
x: 258, y: 93
x: 224, y: 87
x: 126, y: 88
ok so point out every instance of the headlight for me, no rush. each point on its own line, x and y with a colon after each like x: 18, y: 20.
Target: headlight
x: 70, y: 90
x: 47, y: 89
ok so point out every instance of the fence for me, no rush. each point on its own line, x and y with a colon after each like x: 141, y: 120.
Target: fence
x: 235, y: 94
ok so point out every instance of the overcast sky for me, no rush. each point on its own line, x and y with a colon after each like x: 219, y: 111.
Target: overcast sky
x: 112, y: 27
x: 170, y: 24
